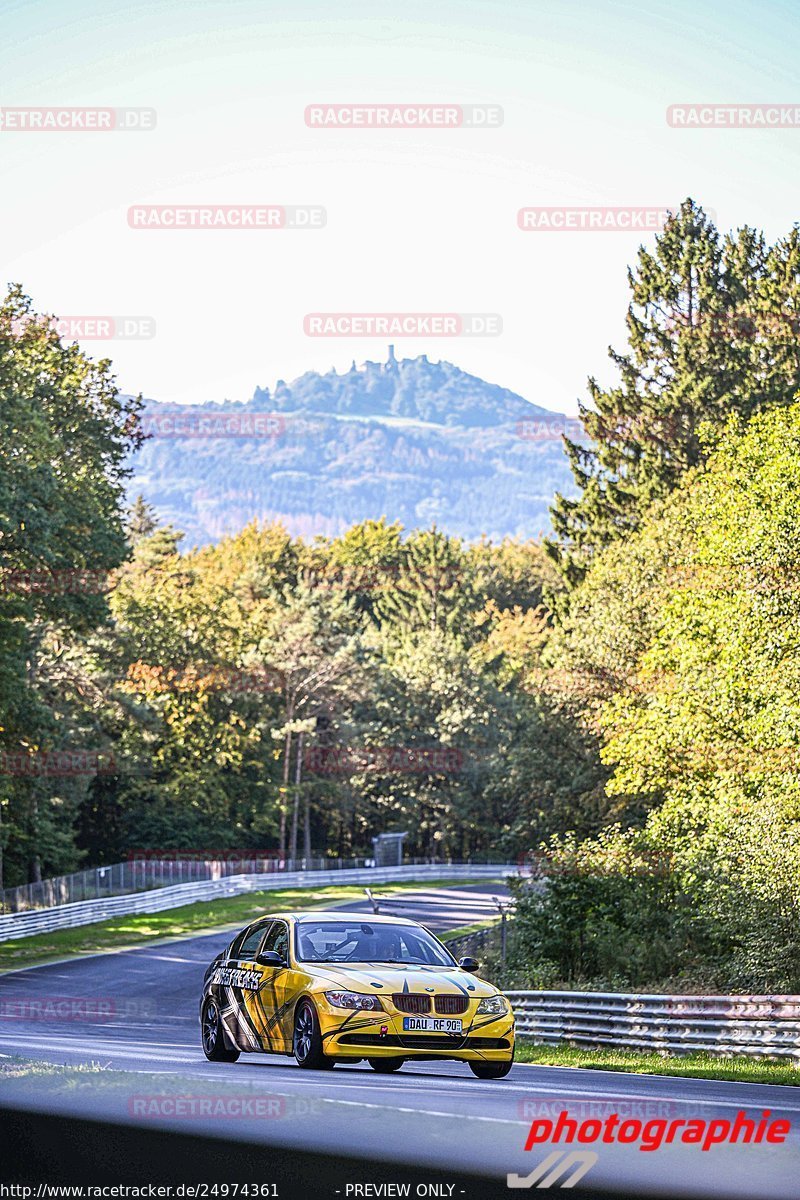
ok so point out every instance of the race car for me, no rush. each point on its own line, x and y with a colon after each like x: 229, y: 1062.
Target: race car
x: 330, y: 987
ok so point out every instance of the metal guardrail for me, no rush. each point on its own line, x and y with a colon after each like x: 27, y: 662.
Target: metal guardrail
x: 143, y: 873
x: 743, y: 1025
x: 87, y: 912
x: 150, y: 869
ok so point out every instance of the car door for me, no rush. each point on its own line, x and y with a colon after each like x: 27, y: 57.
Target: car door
x: 272, y: 998
x: 236, y: 983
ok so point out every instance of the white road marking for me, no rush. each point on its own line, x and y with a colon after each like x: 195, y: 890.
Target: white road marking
x: 165, y: 1053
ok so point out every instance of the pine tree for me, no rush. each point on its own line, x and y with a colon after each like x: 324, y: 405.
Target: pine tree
x: 141, y: 520
x: 712, y: 330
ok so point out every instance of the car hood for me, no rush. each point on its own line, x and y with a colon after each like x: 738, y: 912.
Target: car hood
x: 385, y: 978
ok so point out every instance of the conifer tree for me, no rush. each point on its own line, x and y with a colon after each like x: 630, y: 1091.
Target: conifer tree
x: 712, y: 331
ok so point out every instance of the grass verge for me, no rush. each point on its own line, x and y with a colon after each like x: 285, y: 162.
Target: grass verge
x: 463, y: 930
x: 122, y: 933
x: 694, y: 1066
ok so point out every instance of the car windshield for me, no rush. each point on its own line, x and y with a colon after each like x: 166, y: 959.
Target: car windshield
x: 367, y: 942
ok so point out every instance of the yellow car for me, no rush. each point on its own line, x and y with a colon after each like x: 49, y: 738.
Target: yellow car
x: 332, y: 987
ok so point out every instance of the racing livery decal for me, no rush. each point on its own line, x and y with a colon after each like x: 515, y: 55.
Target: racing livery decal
x: 333, y: 987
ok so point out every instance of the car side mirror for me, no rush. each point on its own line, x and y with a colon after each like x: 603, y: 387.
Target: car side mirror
x: 468, y: 964
x: 271, y: 958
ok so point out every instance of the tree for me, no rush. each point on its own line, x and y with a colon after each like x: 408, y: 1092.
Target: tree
x: 695, y: 621
x: 141, y: 520
x: 712, y: 331
x: 311, y: 645
x: 433, y: 586
x: 65, y: 436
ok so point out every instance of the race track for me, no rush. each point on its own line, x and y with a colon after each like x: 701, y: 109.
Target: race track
x: 136, y: 1011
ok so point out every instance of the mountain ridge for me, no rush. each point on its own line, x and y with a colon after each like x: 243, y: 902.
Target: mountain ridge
x: 409, y: 439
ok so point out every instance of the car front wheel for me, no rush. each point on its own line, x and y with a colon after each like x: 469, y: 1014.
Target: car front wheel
x: 384, y: 1066
x: 214, y: 1046
x: 491, y: 1070
x: 307, y: 1039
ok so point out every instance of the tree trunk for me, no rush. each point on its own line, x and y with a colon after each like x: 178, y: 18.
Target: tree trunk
x: 296, y: 805
x: 287, y: 750
x: 307, y: 831
x: 35, y: 866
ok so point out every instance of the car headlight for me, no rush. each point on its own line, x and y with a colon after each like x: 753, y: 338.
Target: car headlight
x: 354, y: 1000
x: 494, y: 1005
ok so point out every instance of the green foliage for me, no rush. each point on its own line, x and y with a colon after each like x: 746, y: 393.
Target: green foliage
x: 689, y: 634
x: 65, y: 434
x: 712, y: 332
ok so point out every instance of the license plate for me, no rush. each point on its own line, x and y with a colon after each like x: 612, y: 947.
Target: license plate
x: 431, y: 1025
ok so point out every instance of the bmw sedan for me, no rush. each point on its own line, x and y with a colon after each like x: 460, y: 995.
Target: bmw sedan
x: 336, y: 987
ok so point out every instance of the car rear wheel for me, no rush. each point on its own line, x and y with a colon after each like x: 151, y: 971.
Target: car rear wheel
x: 384, y: 1066
x: 307, y: 1039
x: 491, y: 1070
x: 214, y: 1046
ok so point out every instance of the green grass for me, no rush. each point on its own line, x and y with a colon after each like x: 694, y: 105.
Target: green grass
x: 121, y: 933
x: 463, y: 930
x: 694, y: 1066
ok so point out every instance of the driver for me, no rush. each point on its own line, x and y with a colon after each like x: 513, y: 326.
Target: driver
x: 366, y: 946
x: 388, y: 947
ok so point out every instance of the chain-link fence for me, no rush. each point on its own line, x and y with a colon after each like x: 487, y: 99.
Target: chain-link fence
x: 143, y: 874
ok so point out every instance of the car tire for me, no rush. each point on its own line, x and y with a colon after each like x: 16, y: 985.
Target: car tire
x: 384, y: 1066
x: 491, y: 1070
x: 213, y: 1038
x: 307, y: 1039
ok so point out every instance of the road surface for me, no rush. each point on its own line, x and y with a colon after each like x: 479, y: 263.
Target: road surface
x: 136, y: 1011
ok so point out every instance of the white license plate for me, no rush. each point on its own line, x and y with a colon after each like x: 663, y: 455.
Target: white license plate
x: 431, y: 1025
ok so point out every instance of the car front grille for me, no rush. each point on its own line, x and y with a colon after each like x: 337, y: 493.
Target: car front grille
x: 411, y: 1002
x: 450, y: 1005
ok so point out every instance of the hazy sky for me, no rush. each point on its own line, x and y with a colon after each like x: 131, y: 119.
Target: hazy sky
x: 416, y: 221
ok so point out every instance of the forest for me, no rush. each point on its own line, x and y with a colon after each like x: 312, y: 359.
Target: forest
x: 617, y: 705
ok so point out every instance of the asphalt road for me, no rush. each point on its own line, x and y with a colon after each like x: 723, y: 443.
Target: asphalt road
x: 136, y: 1011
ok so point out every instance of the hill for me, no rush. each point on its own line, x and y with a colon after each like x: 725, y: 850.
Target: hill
x: 412, y: 440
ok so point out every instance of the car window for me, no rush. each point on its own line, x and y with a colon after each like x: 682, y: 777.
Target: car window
x: 278, y: 940
x: 249, y: 941
x: 351, y: 941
